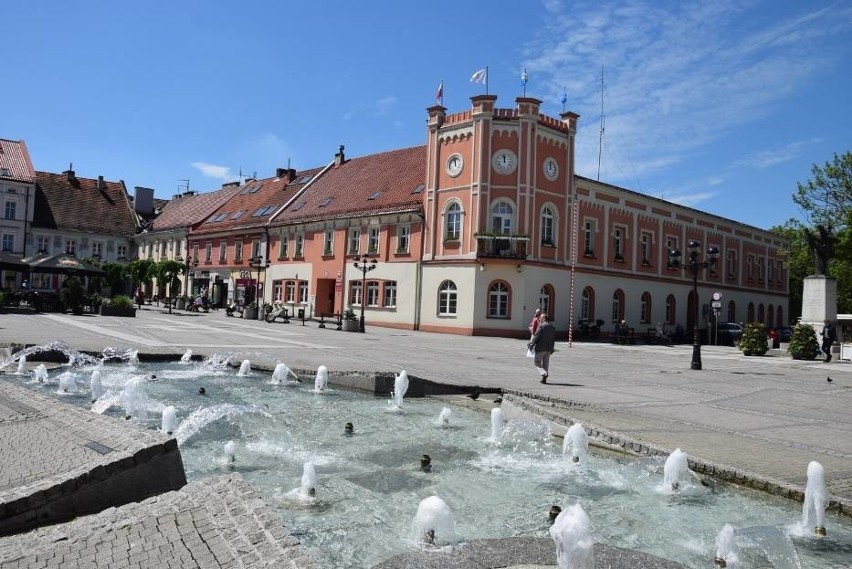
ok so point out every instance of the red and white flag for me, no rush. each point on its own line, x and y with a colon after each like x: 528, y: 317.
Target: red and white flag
x: 480, y: 76
x: 439, y: 95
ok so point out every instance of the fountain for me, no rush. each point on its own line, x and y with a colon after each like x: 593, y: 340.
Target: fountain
x: 676, y: 474
x: 169, y: 420
x: 281, y: 373
x: 727, y: 552
x: 400, y: 386
x: 576, y: 442
x: 40, y: 373
x: 321, y: 381
x: 230, y: 452
x: 245, y: 369
x: 444, y: 417
x: 22, y: 365
x: 572, y: 534
x: 186, y: 357
x: 308, y: 488
x: 816, y: 499
x: 67, y: 383
x: 496, y: 424
x: 135, y: 401
x: 95, y: 385
x: 433, y: 524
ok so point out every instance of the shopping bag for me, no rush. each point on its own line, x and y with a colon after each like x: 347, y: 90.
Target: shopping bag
x: 530, y: 353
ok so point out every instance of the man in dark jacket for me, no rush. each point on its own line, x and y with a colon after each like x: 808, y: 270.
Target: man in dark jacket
x: 829, y: 336
x: 542, y: 342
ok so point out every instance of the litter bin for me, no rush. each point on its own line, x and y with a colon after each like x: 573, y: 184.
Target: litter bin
x: 301, y: 314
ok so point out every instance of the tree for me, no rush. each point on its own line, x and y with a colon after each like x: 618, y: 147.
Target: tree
x: 139, y: 271
x: 167, y: 271
x: 827, y: 199
x: 797, y: 258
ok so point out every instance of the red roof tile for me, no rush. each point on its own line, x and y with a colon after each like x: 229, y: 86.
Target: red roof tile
x: 15, y: 163
x: 184, y: 211
x: 76, y: 204
x: 255, y: 203
x: 379, y: 183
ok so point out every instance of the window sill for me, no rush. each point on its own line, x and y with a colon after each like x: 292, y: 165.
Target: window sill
x: 589, y: 255
x: 452, y: 244
x: 548, y: 244
x: 618, y: 259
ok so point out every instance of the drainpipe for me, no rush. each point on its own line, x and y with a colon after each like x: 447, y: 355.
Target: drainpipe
x: 418, y: 280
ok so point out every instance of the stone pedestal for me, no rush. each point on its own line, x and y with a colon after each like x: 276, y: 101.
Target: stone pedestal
x: 819, y: 299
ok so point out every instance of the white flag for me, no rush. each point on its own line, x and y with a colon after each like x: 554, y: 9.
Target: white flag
x: 480, y: 76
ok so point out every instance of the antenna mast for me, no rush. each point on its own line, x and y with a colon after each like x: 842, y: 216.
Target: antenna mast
x: 603, y: 126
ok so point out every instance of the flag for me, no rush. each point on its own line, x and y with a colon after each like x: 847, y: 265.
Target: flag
x: 564, y: 98
x: 480, y: 76
x: 439, y: 95
x: 524, y: 78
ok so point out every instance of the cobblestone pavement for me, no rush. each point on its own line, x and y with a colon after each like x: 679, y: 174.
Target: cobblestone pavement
x: 765, y: 416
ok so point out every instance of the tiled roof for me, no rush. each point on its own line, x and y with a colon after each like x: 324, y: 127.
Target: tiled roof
x: 379, y: 183
x: 184, y: 211
x: 257, y: 200
x: 15, y: 163
x: 76, y: 204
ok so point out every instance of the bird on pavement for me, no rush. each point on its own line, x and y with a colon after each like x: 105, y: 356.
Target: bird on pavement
x: 828, y: 379
x: 498, y: 400
x: 474, y: 395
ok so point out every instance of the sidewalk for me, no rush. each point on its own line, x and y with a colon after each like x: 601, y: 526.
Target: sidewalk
x: 766, y: 416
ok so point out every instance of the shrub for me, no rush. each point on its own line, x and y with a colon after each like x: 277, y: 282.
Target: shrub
x: 120, y: 301
x: 349, y: 314
x: 803, y: 343
x: 754, y: 340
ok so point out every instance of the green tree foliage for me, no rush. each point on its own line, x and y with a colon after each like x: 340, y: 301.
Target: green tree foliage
x: 167, y: 271
x: 71, y: 295
x: 827, y: 198
x: 140, y: 271
x: 797, y: 259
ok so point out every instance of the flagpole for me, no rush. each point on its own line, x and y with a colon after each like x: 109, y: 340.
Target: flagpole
x: 486, y: 79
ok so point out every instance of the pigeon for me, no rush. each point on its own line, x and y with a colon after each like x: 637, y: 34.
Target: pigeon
x: 828, y: 379
x: 474, y: 395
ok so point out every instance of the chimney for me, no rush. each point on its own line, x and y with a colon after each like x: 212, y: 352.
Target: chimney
x: 100, y: 185
x: 143, y: 200
x: 235, y: 184
x: 280, y: 172
x: 339, y: 158
x: 69, y: 173
x: 291, y: 174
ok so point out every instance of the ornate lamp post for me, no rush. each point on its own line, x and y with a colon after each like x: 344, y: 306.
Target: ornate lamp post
x: 693, y: 265
x: 257, y: 263
x: 365, y: 265
x: 189, y: 261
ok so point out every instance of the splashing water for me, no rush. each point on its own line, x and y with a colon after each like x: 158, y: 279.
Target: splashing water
x: 200, y: 418
x: 245, y: 369
x: 496, y: 425
x: 134, y: 400
x: 433, y: 523
x: 186, y: 357
x: 128, y: 355
x: 308, y: 486
x: 230, y: 452
x: 169, y: 420
x: 67, y: 383
x: 22, y: 365
x: 74, y: 357
x: 400, y: 386
x: 576, y: 442
x: 676, y: 475
x: 726, y: 547
x: 106, y: 401
x: 321, y: 381
x: 816, y: 497
x: 571, y: 531
x: 444, y: 417
x: 40, y: 374
x: 95, y: 385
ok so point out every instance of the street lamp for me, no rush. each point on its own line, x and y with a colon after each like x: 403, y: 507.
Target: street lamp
x: 257, y: 263
x: 365, y: 265
x: 693, y: 265
x: 186, y: 263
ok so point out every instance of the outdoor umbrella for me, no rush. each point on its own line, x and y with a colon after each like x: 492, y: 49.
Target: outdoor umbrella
x: 12, y: 262
x: 62, y: 264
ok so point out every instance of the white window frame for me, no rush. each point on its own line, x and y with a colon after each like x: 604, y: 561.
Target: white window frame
x: 299, y: 251
x: 548, y: 219
x: 373, y: 293
x: 403, y: 238
x: 389, y: 300
x: 373, y: 241
x: 283, y: 245
x: 238, y: 252
x: 453, y: 221
x: 8, y: 243
x: 71, y: 246
x: 499, y: 295
x: 645, y: 248
x: 354, y: 241
x: 448, y: 298
x: 589, y: 230
x: 10, y: 212
x: 328, y: 242
x: 502, y: 217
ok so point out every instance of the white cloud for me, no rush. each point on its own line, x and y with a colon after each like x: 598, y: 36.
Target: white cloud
x: 768, y: 158
x: 691, y: 200
x: 678, y: 76
x: 212, y: 170
x: 379, y: 108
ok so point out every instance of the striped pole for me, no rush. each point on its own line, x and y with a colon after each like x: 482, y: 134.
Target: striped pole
x: 575, y: 216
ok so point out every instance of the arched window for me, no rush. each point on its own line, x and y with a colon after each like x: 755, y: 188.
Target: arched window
x: 587, y: 304
x: 618, y: 305
x: 501, y: 218
x: 545, y: 300
x: 447, y: 298
x: 645, y: 308
x: 498, y: 300
x: 750, y: 312
x: 760, y: 313
x: 732, y: 311
x: 547, y: 235
x: 671, y: 309
x: 770, y: 316
x: 452, y: 222
x: 779, y: 317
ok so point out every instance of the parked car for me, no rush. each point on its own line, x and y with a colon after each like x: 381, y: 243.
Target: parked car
x: 784, y: 333
x: 728, y: 333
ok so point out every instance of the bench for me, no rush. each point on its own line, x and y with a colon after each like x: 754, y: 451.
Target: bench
x: 651, y: 337
x: 623, y: 338
x: 337, y: 317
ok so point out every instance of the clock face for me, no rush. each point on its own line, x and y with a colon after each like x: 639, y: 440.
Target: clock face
x: 551, y: 169
x: 504, y: 161
x: 455, y: 165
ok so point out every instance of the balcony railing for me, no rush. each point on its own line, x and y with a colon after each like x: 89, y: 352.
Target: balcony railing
x: 506, y: 246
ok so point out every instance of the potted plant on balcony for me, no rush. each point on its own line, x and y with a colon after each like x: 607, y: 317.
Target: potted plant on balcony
x: 753, y: 341
x: 119, y: 305
x: 350, y: 321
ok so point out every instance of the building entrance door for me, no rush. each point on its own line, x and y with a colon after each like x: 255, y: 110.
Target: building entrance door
x: 325, y: 297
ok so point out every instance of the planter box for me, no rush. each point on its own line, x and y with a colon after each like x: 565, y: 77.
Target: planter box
x: 250, y: 313
x: 350, y: 325
x: 125, y: 311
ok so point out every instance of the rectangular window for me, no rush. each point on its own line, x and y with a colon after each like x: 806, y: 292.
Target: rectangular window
x: 354, y: 240
x: 71, y: 246
x: 121, y: 252
x: 328, y: 247
x: 11, y: 209
x: 303, y: 292
x: 730, y: 263
x: 162, y: 249
x: 760, y: 269
x: 645, y: 248
x: 282, y: 246
x: 373, y: 293
x: 770, y: 271
x: 390, y: 294
x: 618, y: 243
x: 403, y: 236
x: 290, y: 291
x: 671, y: 245
x: 195, y: 252
x: 208, y: 252
x: 589, y: 238
x: 238, y: 252
x: 43, y: 244
x: 300, y: 246
x: 373, y: 243
x: 223, y: 251
x: 355, y: 293
x: 97, y: 249
x: 8, y: 242
x: 277, y: 291
x: 750, y: 267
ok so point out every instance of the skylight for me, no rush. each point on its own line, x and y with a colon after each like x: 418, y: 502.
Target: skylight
x: 250, y: 189
x: 303, y: 180
x: 5, y: 172
x: 325, y: 202
x: 298, y: 206
x: 263, y: 210
x: 418, y: 189
x: 238, y: 214
x: 221, y: 216
x: 374, y: 195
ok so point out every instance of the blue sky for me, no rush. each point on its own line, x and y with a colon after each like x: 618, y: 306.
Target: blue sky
x: 722, y: 105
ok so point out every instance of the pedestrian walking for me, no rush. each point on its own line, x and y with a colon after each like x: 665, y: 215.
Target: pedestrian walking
x: 542, y: 342
x: 829, y: 336
x: 534, y: 322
